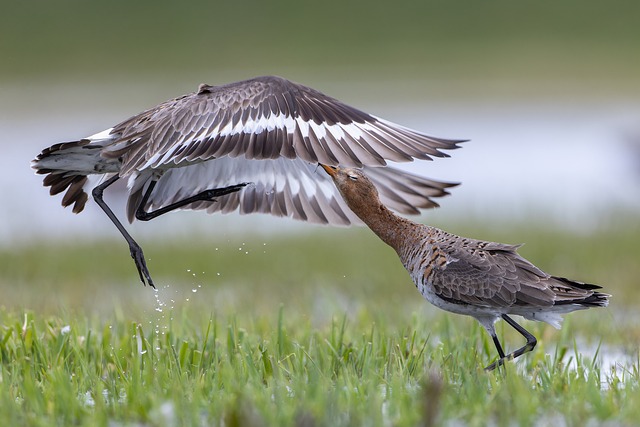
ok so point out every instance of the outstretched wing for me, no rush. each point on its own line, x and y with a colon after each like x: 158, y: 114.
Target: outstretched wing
x: 265, y: 118
x: 281, y: 187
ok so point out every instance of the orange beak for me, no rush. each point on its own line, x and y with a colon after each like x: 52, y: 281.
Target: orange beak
x: 331, y: 170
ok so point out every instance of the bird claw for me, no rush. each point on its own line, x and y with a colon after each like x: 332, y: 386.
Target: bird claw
x: 141, y: 265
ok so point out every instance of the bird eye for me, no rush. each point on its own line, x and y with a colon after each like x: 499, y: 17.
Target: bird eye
x: 352, y: 177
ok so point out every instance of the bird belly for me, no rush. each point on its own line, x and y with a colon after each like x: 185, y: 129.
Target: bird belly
x: 459, y: 308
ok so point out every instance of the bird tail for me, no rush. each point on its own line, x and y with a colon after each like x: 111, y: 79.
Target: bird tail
x: 67, y: 166
x: 60, y: 163
x: 579, y: 293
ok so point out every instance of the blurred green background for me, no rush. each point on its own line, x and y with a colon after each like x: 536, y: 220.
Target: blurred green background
x: 488, y: 43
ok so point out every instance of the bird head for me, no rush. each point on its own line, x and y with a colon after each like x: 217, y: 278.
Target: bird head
x: 356, y: 188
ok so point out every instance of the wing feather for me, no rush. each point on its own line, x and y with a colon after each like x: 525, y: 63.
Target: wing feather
x: 489, y: 274
x: 280, y: 187
x: 296, y: 121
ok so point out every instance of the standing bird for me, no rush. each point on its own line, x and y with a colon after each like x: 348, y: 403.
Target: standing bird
x: 485, y: 280
x: 251, y: 146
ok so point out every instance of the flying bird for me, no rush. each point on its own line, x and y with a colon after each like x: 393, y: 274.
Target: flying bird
x: 485, y: 280
x: 250, y: 146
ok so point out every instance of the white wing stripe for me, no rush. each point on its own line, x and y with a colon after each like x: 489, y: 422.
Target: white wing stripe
x: 349, y: 144
x: 263, y: 123
x: 105, y: 135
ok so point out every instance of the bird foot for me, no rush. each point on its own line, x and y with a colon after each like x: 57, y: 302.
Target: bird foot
x: 499, y: 362
x: 141, y: 264
x: 212, y: 194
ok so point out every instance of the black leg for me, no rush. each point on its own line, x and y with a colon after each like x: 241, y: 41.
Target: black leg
x: 531, y: 343
x: 531, y: 340
x: 208, y: 195
x: 498, y: 346
x: 500, y: 361
x: 134, y: 248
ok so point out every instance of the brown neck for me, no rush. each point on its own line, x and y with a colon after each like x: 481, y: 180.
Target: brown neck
x: 391, y: 228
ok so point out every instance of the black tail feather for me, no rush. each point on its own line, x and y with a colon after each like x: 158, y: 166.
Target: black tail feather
x: 61, y: 180
x: 591, y: 298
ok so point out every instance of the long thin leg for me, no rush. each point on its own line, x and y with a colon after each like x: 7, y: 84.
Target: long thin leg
x: 134, y: 248
x: 531, y: 343
x: 498, y: 346
x: 531, y: 340
x: 208, y: 195
x: 500, y: 361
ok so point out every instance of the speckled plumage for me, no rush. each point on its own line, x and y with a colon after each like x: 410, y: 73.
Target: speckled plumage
x: 482, y: 279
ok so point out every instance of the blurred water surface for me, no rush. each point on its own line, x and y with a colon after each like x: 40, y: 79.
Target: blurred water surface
x: 549, y: 161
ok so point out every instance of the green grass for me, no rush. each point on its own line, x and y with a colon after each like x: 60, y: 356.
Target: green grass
x: 316, y: 329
